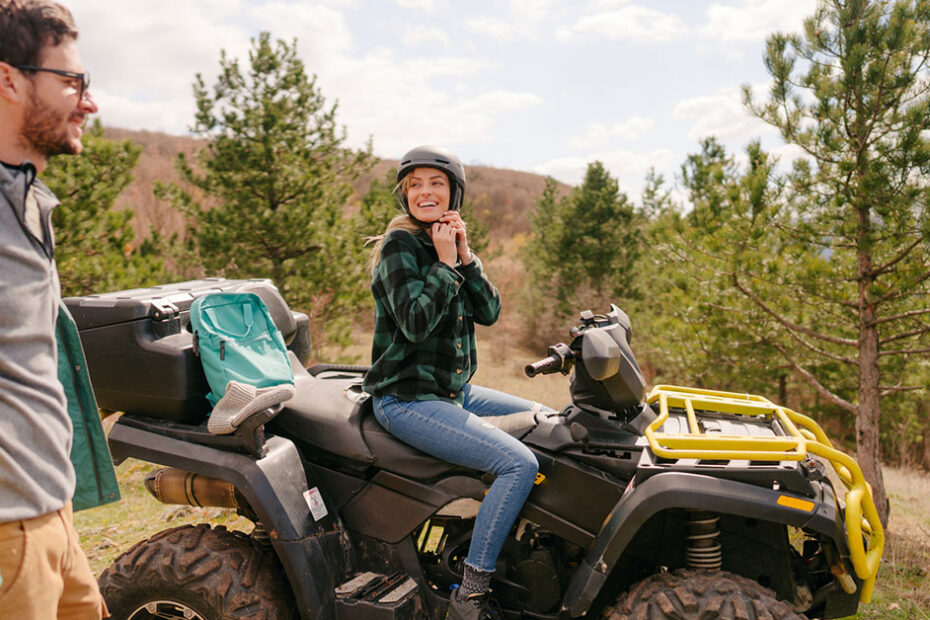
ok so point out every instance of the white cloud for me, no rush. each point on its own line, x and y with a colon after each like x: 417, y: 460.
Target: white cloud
x: 566, y: 169
x: 598, y: 135
x: 629, y: 167
x: 630, y: 22
x: 394, y: 98
x: 632, y: 128
x: 531, y: 10
x: 117, y: 110
x: 441, y: 119
x: 721, y: 114
x: 755, y: 19
x: 428, y: 5
x: 493, y: 27
x: 322, y: 34
x: 606, y: 5
x: 525, y: 21
x: 595, y: 136
x: 142, y: 53
x: 424, y: 35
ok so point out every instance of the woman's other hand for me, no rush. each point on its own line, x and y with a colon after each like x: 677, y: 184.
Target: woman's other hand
x: 444, y: 240
x: 454, y: 219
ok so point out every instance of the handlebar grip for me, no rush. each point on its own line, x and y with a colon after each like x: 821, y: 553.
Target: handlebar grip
x: 551, y: 364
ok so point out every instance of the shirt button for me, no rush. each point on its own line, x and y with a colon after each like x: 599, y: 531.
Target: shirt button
x: 458, y: 344
x: 452, y: 395
x: 458, y: 371
x: 460, y: 317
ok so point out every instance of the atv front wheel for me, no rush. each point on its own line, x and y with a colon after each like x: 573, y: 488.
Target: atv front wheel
x: 194, y: 572
x: 699, y: 595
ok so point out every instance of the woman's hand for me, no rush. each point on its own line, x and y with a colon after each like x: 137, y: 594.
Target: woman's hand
x: 454, y: 219
x: 444, y: 240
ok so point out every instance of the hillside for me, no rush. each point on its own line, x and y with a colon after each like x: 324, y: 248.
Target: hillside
x: 504, y: 198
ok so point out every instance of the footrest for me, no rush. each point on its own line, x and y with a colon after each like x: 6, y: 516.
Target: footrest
x: 373, y: 596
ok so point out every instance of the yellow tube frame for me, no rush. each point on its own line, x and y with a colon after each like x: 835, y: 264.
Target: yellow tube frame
x: 803, y: 436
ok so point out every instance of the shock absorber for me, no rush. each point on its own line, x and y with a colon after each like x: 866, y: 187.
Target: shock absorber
x: 703, y: 549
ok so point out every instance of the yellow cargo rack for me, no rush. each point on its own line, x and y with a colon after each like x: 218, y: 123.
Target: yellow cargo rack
x: 803, y: 436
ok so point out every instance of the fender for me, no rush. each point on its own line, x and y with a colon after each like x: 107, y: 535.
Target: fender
x: 689, y: 491
x: 275, y: 487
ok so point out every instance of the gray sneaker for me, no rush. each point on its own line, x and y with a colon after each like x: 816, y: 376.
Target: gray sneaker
x: 474, y: 607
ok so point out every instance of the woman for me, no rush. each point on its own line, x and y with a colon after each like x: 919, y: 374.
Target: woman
x: 430, y: 290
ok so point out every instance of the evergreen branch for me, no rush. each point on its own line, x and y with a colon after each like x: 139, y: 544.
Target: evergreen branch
x: 785, y: 322
x: 898, y: 317
x: 916, y: 332
x: 904, y: 351
x: 817, y: 385
x: 821, y: 352
x: 887, y: 267
x: 887, y: 390
x: 901, y: 293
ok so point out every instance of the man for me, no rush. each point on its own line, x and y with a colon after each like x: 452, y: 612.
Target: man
x: 44, y: 102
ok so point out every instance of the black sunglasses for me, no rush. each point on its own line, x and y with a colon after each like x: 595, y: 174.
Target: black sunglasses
x: 84, y: 77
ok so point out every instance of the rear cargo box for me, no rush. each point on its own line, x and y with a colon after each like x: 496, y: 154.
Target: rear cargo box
x: 139, y: 346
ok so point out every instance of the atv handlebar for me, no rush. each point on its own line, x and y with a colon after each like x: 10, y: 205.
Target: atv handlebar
x: 560, y: 359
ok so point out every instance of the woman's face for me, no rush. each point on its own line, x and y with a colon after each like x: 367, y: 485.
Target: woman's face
x: 428, y: 193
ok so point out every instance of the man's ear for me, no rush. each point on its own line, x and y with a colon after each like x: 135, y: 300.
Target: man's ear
x: 12, y: 84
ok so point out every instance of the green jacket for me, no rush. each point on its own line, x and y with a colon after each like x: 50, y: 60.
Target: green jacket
x: 425, y: 313
x: 90, y: 454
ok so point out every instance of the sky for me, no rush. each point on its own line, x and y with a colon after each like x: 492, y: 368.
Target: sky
x: 544, y: 86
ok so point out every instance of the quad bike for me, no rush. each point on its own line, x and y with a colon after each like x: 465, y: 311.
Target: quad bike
x: 683, y: 503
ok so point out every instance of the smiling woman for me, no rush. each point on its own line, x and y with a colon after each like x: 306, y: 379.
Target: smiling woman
x: 430, y: 290
x: 427, y: 193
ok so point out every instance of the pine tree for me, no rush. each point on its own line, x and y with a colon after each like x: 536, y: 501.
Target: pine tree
x: 582, y: 252
x: 825, y: 271
x: 96, y: 247
x: 273, y: 186
x: 853, y: 93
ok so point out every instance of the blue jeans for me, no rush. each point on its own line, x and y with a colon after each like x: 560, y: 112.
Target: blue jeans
x: 457, y: 435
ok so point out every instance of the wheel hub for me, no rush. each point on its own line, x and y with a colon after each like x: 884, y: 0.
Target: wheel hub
x: 165, y: 610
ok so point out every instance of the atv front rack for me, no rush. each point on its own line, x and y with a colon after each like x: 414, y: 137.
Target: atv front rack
x: 802, y: 436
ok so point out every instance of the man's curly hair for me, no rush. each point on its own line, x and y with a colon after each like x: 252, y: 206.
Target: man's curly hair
x: 27, y: 26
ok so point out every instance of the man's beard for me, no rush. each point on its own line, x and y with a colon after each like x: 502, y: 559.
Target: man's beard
x: 43, y: 131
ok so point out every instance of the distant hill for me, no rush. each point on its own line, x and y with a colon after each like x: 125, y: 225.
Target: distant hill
x: 503, y: 199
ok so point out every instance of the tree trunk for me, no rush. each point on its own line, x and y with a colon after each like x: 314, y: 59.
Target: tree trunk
x: 868, y: 445
x: 925, y: 443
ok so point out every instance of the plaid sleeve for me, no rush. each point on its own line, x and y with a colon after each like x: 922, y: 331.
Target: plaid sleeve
x: 416, y: 302
x: 486, y: 299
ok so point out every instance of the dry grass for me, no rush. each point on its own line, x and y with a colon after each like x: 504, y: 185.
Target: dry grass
x: 903, y: 585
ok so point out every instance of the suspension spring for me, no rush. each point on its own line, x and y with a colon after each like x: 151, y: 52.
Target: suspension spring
x: 703, y: 551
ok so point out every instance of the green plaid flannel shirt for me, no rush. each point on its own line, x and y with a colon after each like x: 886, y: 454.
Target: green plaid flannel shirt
x: 425, y: 315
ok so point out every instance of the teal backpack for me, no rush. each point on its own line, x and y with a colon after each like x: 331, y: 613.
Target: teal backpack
x: 237, y: 341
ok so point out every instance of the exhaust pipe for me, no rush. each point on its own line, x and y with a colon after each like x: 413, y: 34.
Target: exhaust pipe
x: 176, y: 486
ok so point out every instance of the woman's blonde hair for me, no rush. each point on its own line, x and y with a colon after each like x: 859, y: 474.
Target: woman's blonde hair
x: 401, y: 222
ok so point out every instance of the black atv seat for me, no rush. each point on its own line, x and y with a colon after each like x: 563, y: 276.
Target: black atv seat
x: 330, y: 412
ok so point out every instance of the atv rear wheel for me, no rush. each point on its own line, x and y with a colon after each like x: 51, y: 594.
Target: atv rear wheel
x: 194, y: 572
x: 686, y: 594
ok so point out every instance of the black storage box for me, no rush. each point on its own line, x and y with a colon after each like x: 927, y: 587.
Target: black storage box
x: 139, y: 346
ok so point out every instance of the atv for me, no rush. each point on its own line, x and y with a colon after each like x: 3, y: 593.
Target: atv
x: 679, y: 503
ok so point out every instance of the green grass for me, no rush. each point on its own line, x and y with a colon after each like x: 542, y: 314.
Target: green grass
x: 107, y: 531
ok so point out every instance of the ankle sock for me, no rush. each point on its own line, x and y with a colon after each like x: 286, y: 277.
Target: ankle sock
x: 474, y: 581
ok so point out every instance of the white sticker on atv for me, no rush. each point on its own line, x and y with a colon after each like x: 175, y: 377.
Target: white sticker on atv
x: 315, y: 502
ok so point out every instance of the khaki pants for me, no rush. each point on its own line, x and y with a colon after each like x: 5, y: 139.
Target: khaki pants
x: 45, y: 573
